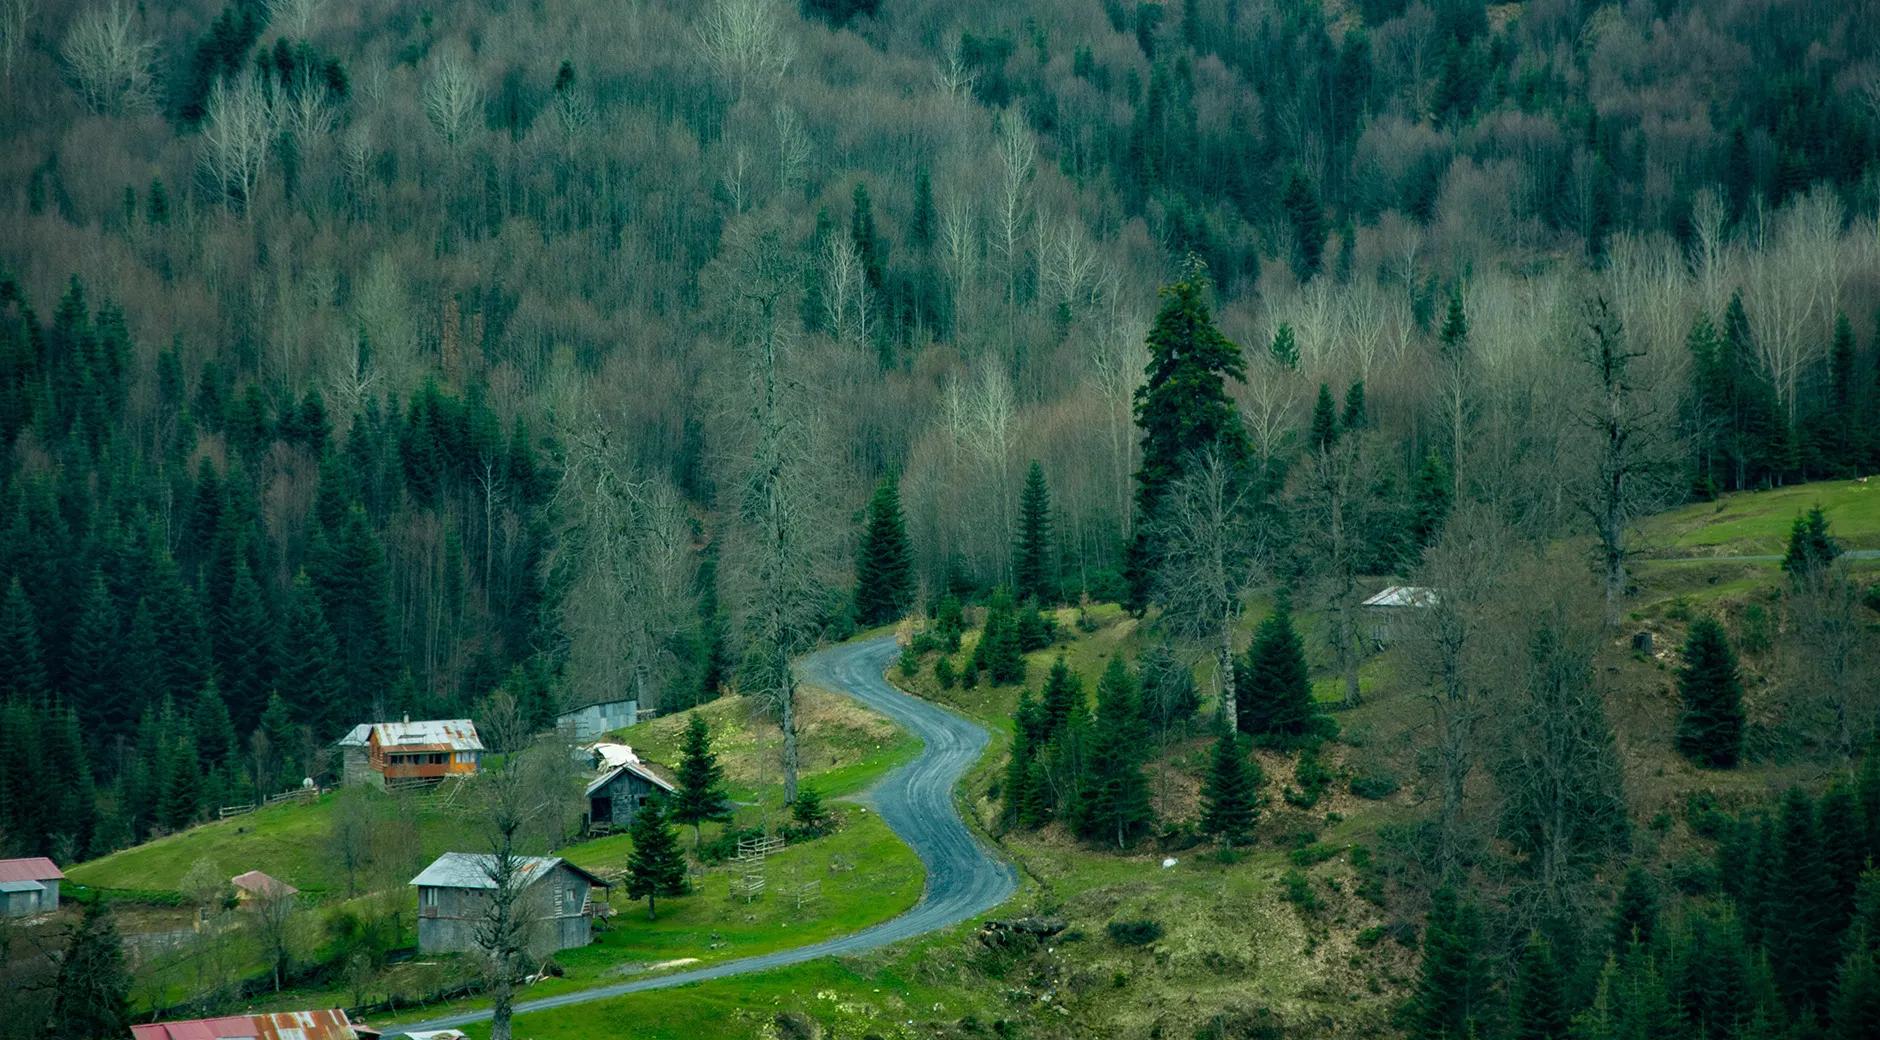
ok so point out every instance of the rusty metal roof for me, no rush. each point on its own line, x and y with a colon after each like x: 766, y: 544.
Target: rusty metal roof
x: 286, y: 1025
x: 32, y: 868
x: 262, y: 884
x: 455, y: 734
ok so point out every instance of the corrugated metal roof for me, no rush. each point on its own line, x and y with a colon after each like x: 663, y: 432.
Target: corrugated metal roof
x: 456, y: 734
x: 21, y: 886
x: 637, y: 768
x: 612, y: 755
x: 1403, y: 596
x: 472, y: 870
x: 32, y: 868
x: 286, y: 1025
x: 262, y: 884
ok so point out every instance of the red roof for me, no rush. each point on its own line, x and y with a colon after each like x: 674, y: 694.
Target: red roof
x: 34, y: 868
x: 310, y: 1025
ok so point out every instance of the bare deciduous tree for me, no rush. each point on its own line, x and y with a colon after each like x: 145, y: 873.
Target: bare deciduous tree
x: 453, y: 100
x: 16, y: 19
x: 745, y: 43
x: 1213, y: 549
x: 238, y: 126
x: 109, y: 60
x: 1834, y: 689
x: 1332, y: 483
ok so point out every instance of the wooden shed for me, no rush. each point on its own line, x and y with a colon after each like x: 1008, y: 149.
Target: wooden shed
x: 29, y: 886
x: 407, y: 753
x: 617, y: 794
x: 454, y: 893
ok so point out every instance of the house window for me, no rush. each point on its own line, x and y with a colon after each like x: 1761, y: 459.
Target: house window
x: 574, y: 901
x: 427, y: 897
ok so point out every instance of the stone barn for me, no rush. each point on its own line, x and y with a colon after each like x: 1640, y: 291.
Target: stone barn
x: 454, y: 893
x: 617, y: 794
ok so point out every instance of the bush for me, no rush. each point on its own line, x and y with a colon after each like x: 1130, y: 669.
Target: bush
x: 1374, y: 786
x: 910, y: 663
x: 1313, y: 854
x: 725, y: 846
x: 943, y: 672
x: 1696, y: 876
x: 1297, y: 890
x: 1311, y: 777
x: 1704, y: 816
x: 1754, y: 633
x: 1134, y: 933
x: 810, y: 817
x: 1371, y: 936
x: 1036, y: 629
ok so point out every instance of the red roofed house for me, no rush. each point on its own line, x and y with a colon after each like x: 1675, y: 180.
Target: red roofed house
x: 284, y: 1025
x: 29, y: 886
x: 256, y: 885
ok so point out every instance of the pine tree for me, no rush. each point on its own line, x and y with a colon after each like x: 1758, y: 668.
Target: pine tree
x: 1023, y: 803
x: 1710, y: 730
x: 884, y: 576
x: 282, y: 770
x: 1275, y: 697
x: 1285, y: 346
x: 1230, y: 796
x: 1452, y: 984
x: 1429, y: 495
x: 1635, y: 917
x: 1182, y: 409
x: 1539, y: 1001
x: 1113, y: 804
x: 22, y: 664
x: 1812, y: 548
x: 656, y: 866
x: 215, y: 733
x: 1306, y: 215
x: 998, y: 655
x: 1355, y: 416
x: 701, y: 794
x: 244, y: 648
x: 1324, y: 431
x: 1063, y: 697
x: 347, y: 568
x: 1843, y: 418
x: 92, y: 679
x: 310, y: 681
x: 91, y: 996
x: 1034, y: 574
x: 1800, y: 933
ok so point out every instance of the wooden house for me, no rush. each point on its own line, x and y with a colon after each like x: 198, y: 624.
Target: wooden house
x: 617, y: 794
x: 454, y: 894
x: 407, y: 753
x: 1388, y: 614
x: 280, y: 1025
x: 29, y: 886
x: 590, y: 721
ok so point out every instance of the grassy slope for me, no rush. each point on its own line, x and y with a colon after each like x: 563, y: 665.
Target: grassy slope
x: 1757, y: 522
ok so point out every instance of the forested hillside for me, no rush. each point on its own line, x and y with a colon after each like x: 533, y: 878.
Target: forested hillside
x: 360, y: 359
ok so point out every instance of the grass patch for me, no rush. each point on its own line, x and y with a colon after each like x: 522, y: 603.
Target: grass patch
x: 1757, y: 522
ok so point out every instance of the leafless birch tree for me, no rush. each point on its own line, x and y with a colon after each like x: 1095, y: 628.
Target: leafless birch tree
x: 1214, y: 548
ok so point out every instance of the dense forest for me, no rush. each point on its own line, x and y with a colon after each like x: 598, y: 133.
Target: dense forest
x: 364, y: 359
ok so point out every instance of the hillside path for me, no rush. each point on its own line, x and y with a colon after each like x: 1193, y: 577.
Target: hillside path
x: 964, y: 877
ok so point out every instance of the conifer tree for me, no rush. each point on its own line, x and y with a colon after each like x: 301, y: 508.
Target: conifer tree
x: 1429, y: 500
x: 998, y: 655
x: 1324, y: 431
x: 1710, y: 730
x: 92, y: 655
x: 216, y: 743
x: 1355, y: 416
x: 310, y: 681
x: 244, y: 648
x: 1800, y: 933
x: 1539, y: 1000
x: 1306, y: 215
x: 1275, y: 687
x: 1113, y: 804
x: 714, y: 651
x: 1034, y: 574
x: 701, y: 794
x: 1063, y: 697
x: 884, y: 576
x: 1027, y: 736
x: 1230, y: 796
x: 1812, y: 549
x: 22, y: 664
x: 91, y: 995
x: 1182, y: 409
x: 347, y: 568
x: 1452, y: 983
x: 1635, y: 916
x: 656, y: 866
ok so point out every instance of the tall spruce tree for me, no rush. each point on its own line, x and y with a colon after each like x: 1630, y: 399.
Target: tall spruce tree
x: 1452, y: 985
x: 1230, y: 795
x: 1113, y: 804
x: 22, y: 662
x: 310, y: 680
x: 884, y: 575
x: 656, y: 866
x: 1710, y: 729
x: 1024, y: 802
x: 1034, y: 570
x: 93, y: 682
x: 1183, y: 410
x: 1800, y: 933
x: 1538, y: 1003
x: 1275, y: 686
x: 91, y: 994
x: 998, y: 655
x: 1812, y: 547
x: 1635, y: 915
x: 1324, y: 432
x: 701, y: 795
x: 1063, y: 697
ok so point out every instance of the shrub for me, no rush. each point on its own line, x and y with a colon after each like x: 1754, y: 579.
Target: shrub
x: 1134, y: 933
x: 1313, y: 854
x: 1297, y: 890
x: 943, y: 672
x: 725, y: 846
x: 910, y: 663
x: 1371, y: 936
x: 1375, y: 785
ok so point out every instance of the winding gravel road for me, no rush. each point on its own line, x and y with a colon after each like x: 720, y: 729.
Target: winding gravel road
x: 964, y: 877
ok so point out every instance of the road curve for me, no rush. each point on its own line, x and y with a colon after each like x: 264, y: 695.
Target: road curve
x: 964, y: 877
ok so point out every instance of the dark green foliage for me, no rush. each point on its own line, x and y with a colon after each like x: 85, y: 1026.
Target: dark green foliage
x: 1812, y: 549
x: 1710, y: 728
x: 1306, y: 216
x: 1635, y: 915
x: 1034, y: 564
x: 1140, y: 932
x: 1113, y: 799
x: 1430, y: 492
x: 91, y: 996
x: 22, y: 663
x: 1026, y: 802
x: 1230, y: 796
x: 1169, y: 697
x: 808, y: 813
x: 1036, y: 629
x: 1539, y: 1008
x: 656, y: 866
x: 1273, y: 686
x: 884, y: 575
x: 949, y: 622
x: 999, y: 655
x: 1324, y: 432
x: 310, y: 680
x: 1801, y: 927
x: 839, y: 12
x: 1063, y: 698
x: 1182, y: 408
x: 701, y: 794
x: 1355, y: 416
x: 1452, y: 986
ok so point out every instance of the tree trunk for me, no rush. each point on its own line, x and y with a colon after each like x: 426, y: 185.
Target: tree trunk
x: 1225, y: 653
